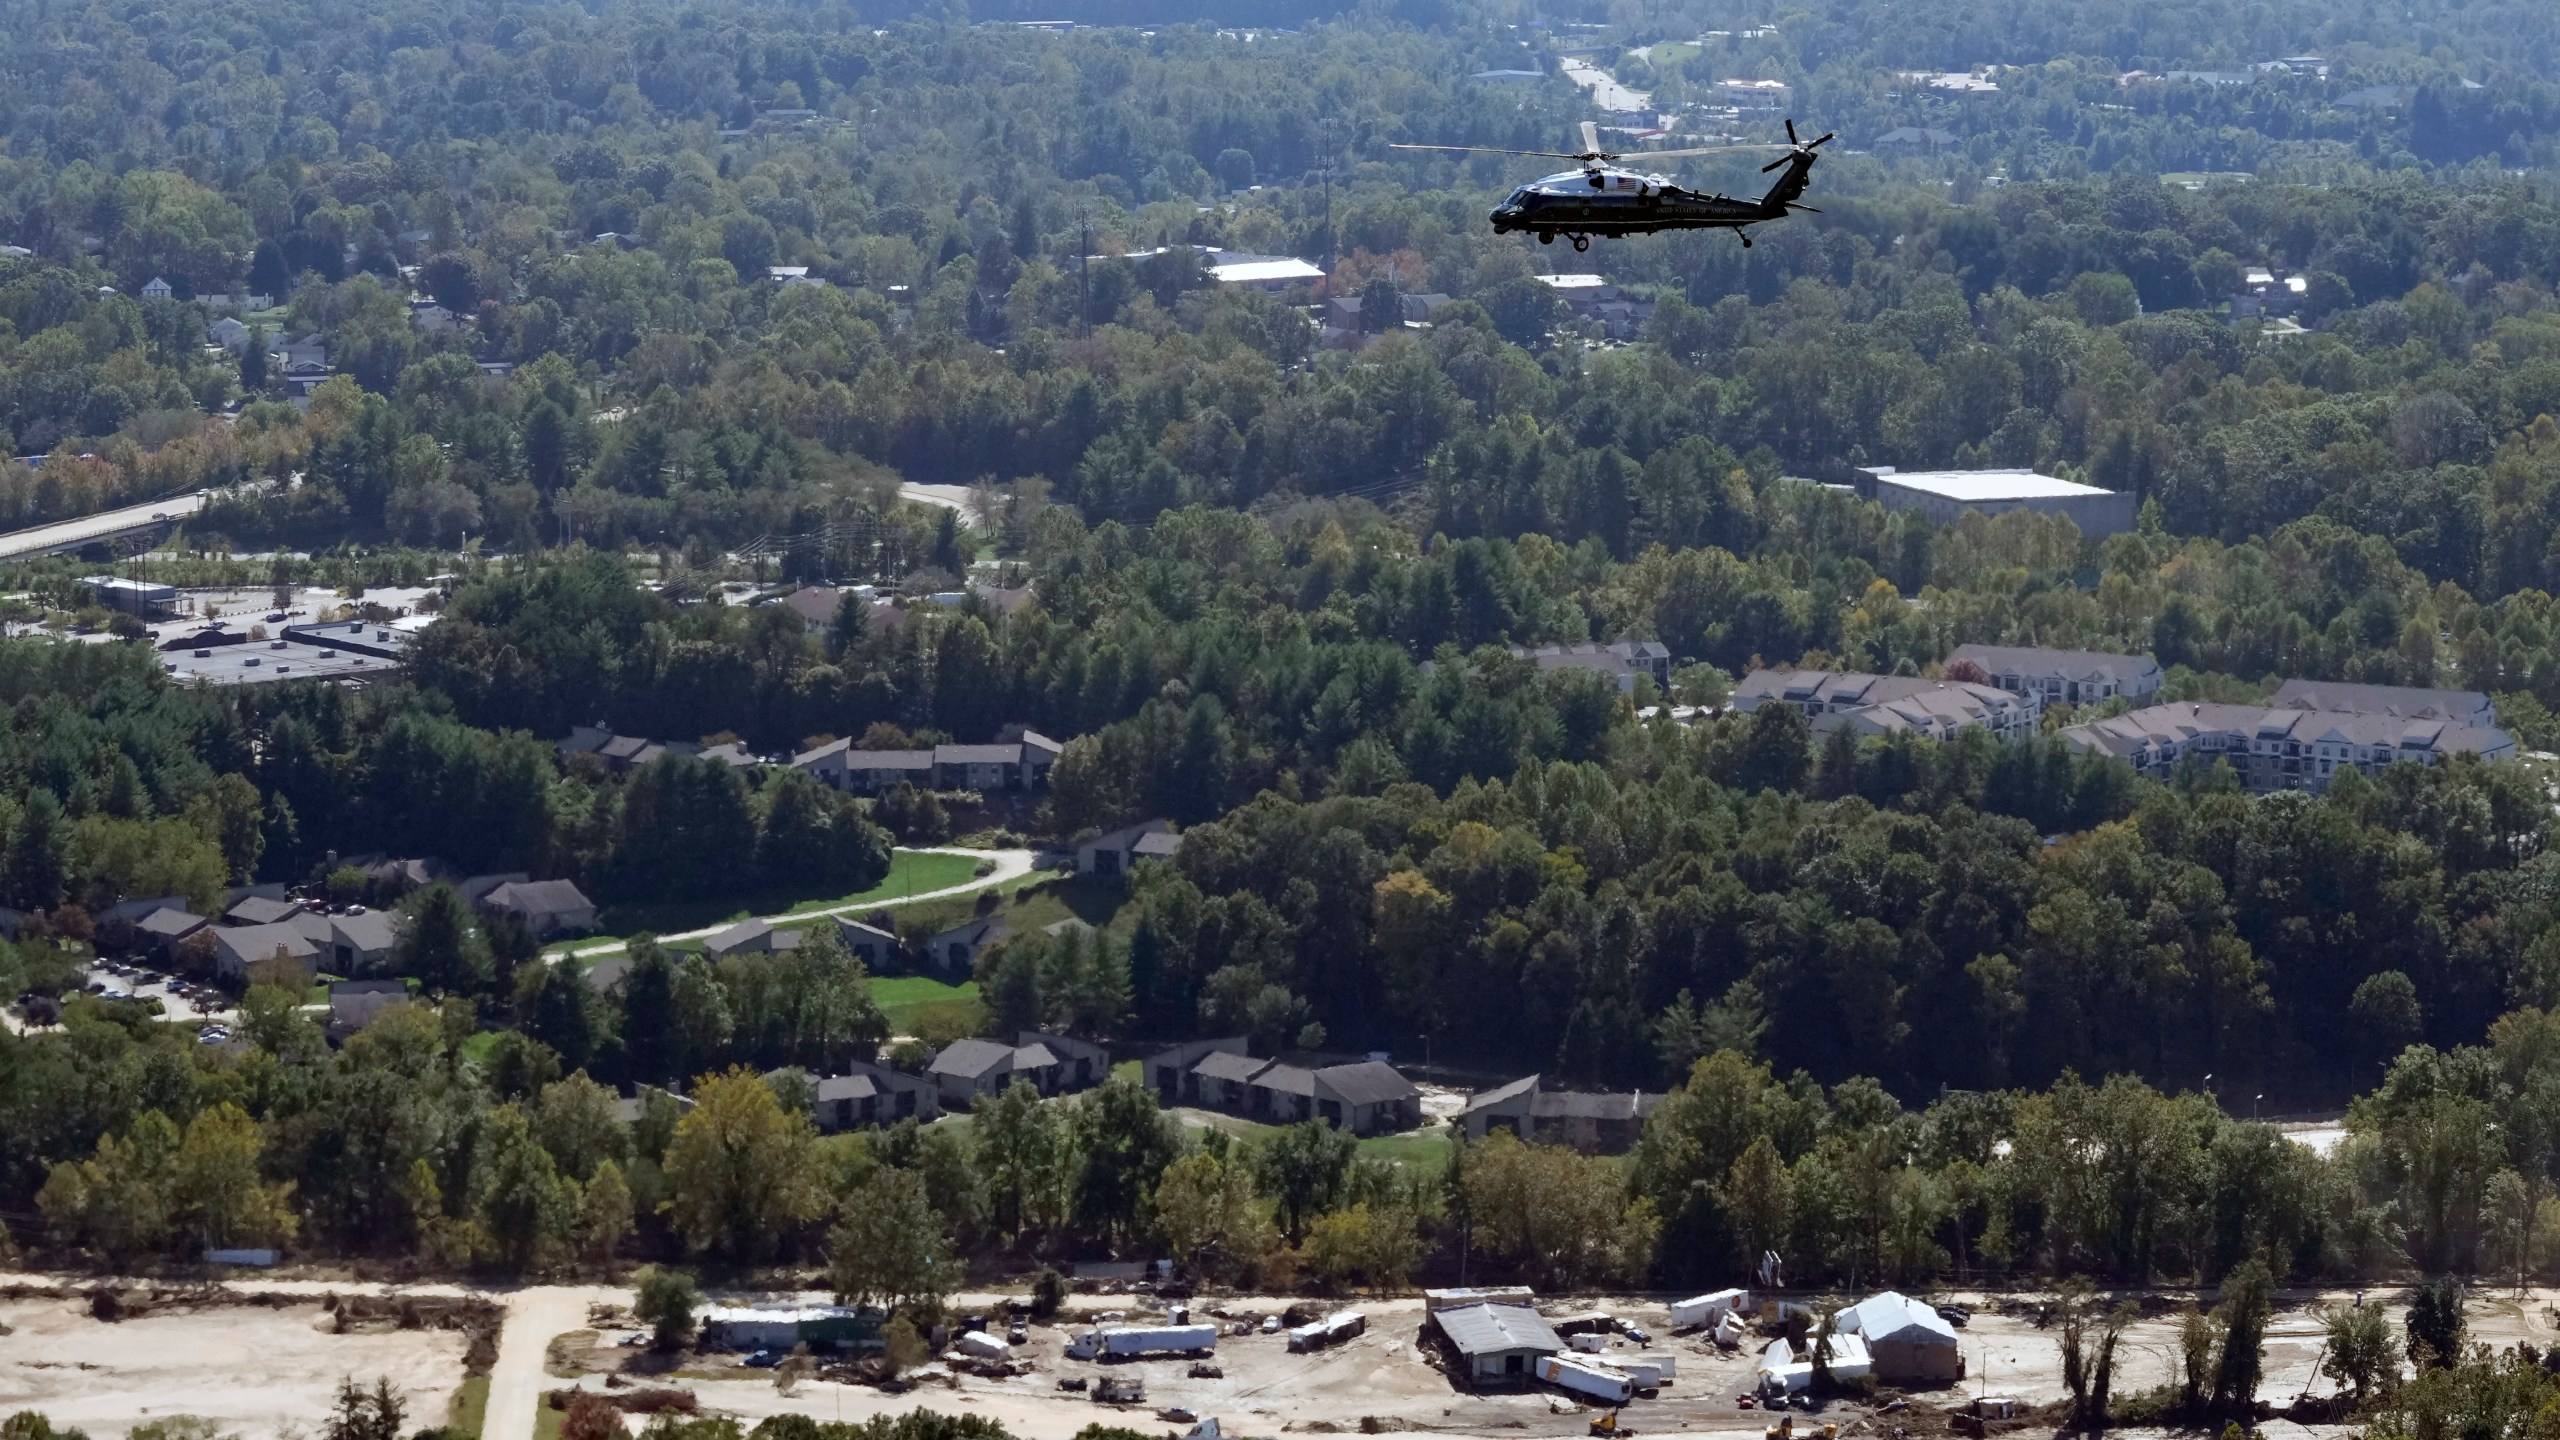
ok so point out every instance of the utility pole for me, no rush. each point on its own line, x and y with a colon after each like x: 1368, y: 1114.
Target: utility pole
x: 1324, y: 163
x: 1084, y: 265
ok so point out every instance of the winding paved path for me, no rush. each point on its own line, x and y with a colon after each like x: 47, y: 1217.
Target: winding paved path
x: 1010, y: 865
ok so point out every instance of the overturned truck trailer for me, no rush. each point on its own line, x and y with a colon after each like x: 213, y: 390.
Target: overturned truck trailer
x: 1333, y: 1329
x: 1589, y: 1378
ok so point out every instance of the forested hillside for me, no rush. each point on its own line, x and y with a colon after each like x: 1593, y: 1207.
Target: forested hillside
x: 588, y: 322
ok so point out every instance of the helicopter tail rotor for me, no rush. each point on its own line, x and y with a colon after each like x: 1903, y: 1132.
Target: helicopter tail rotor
x: 1798, y: 147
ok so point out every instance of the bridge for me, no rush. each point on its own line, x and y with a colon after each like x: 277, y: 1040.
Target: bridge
x: 104, y: 528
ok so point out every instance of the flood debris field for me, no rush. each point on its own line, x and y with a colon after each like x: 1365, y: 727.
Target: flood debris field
x: 252, y: 1367
x: 1389, y: 1380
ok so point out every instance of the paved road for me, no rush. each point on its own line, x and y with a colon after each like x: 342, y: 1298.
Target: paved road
x: 1010, y: 865
x: 949, y: 497
x: 100, y: 526
x: 1606, y: 92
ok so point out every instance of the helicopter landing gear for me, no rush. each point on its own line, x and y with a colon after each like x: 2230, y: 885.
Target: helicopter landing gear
x: 1581, y: 243
x: 1746, y: 239
x: 1546, y: 237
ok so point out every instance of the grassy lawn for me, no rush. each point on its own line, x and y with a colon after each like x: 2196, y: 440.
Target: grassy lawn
x: 1426, y: 1150
x: 1423, y: 1151
x: 920, y: 1004
x: 470, y: 1407
x: 1034, y: 902
x: 910, y: 873
x: 1672, y: 52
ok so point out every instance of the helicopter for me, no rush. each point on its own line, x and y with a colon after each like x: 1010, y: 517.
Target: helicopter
x: 1603, y: 198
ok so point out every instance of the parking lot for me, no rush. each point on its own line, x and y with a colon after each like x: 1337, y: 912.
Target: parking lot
x: 179, y: 999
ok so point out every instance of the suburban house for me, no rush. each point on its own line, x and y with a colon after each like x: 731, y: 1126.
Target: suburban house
x: 261, y: 910
x: 1112, y: 854
x: 2062, y: 677
x: 870, y: 1095
x: 957, y: 949
x: 228, y: 333
x: 1890, y: 704
x: 1366, y: 1097
x: 751, y: 937
x: 876, y: 948
x: 1021, y: 764
x: 354, y: 1004
x: 839, y: 766
x: 967, y: 1069
x: 1620, y: 663
x: 2279, y: 747
x: 1595, y: 1123
x: 390, y: 877
x: 350, y: 944
x: 623, y: 754
x: 1051, y: 1064
x: 163, y: 930
x: 476, y: 888
x: 237, y: 947
x: 547, y: 907
x: 1171, y: 1072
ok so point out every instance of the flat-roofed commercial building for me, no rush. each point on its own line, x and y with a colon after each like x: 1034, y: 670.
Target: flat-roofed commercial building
x: 1946, y: 496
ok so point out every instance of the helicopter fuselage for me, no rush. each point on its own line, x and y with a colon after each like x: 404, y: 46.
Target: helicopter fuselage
x: 1607, y: 200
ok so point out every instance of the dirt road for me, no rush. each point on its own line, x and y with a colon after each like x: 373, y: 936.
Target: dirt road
x: 517, y: 1380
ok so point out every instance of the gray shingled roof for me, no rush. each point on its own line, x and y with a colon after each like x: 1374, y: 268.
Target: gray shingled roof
x: 1370, y: 1082
x: 1525, y: 1085
x: 972, y: 1059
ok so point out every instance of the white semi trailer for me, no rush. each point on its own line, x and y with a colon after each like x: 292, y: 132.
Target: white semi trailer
x: 1130, y: 1342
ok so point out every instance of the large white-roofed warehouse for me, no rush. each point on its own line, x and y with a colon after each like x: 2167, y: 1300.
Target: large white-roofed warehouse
x: 1946, y: 496
x: 1497, y: 1344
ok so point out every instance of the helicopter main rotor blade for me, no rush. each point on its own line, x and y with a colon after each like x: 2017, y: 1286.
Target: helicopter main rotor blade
x: 1701, y: 150
x: 1490, y: 150
x: 1591, y: 136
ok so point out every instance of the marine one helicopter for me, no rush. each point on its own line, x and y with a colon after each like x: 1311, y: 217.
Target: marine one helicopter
x: 1604, y: 198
